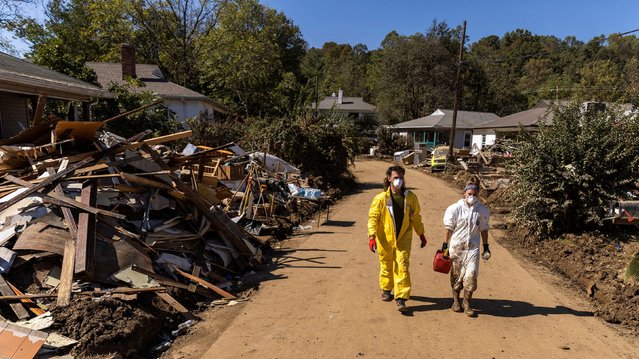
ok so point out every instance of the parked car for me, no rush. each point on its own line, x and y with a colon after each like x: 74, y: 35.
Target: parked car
x: 438, y: 159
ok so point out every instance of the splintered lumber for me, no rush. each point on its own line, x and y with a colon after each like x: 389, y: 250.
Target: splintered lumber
x: 66, y: 274
x: 85, y: 242
x: 220, y: 220
x: 64, y: 200
x: 168, y: 282
x: 206, y: 284
x: 44, y: 183
x: 66, y: 212
x: 39, y: 110
x: 31, y: 305
x: 174, y: 303
x: 162, y: 139
x: 124, y: 114
x: 17, y: 308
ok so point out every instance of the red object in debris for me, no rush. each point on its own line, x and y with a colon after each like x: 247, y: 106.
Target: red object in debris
x: 630, y: 217
x: 441, y: 264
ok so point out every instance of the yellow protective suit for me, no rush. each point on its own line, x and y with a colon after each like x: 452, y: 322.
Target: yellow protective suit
x: 394, y: 249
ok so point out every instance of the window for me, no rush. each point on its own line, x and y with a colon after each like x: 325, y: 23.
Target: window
x: 468, y: 138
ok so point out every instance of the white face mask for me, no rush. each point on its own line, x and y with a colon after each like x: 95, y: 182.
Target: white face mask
x: 397, y: 183
x: 471, y: 200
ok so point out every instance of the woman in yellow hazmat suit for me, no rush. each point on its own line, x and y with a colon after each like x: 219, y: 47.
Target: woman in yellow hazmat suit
x: 393, y: 215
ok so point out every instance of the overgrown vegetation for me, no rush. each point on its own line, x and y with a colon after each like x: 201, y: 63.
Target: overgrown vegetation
x: 159, y: 119
x: 324, y: 147
x: 569, y: 171
x: 389, y: 142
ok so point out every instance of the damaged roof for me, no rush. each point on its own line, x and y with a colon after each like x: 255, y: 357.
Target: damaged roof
x: 21, y: 76
x: 444, y: 119
x: 153, y: 80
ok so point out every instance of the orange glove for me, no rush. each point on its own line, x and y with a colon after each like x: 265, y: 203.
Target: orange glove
x: 372, y: 245
x: 422, y: 238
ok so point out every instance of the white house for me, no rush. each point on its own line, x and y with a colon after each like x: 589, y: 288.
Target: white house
x: 434, y: 129
x: 184, y: 102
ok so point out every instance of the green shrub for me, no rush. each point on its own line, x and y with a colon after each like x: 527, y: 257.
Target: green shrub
x: 390, y: 142
x: 568, y: 171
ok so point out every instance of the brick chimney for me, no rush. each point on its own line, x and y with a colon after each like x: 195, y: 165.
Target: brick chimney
x: 128, y: 61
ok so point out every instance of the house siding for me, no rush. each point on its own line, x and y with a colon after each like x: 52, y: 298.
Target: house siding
x: 185, y: 109
x: 13, y: 110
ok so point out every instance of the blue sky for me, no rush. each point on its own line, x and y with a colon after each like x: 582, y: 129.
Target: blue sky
x: 368, y: 21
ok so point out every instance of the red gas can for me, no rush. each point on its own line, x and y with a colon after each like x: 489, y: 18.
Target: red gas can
x: 441, y: 263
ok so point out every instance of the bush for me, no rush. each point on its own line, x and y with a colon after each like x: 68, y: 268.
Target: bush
x: 568, y: 171
x: 159, y: 119
x: 390, y: 142
x: 212, y: 132
x: 325, y: 148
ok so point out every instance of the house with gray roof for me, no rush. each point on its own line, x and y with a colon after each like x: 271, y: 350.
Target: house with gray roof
x: 353, y: 106
x: 24, y: 85
x: 434, y: 129
x: 184, y: 102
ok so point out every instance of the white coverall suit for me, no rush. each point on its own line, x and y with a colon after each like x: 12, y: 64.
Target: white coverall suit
x: 466, y: 223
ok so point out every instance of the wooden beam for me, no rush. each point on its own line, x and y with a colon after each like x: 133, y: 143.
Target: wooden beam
x: 17, y: 308
x: 175, y: 304
x: 206, y: 284
x: 219, y: 219
x: 168, y: 282
x: 66, y: 273
x: 39, y: 110
x: 31, y: 305
x: 39, y: 186
x: 66, y: 200
x: 85, y: 253
x: 124, y: 114
x: 66, y: 212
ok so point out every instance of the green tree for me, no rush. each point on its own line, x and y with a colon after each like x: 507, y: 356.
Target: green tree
x: 253, y: 50
x: 410, y: 76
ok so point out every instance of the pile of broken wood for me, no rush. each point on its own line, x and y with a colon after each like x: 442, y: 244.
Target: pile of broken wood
x: 91, y: 214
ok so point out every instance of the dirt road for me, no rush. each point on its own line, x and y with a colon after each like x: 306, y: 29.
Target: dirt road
x: 322, y: 301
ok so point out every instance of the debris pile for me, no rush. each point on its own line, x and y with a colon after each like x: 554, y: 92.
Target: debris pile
x: 88, y: 214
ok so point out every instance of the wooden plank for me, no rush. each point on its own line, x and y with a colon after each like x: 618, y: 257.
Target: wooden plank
x: 66, y: 212
x: 39, y: 186
x: 161, y: 139
x: 31, y: 305
x: 219, y: 219
x: 85, y: 243
x: 195, y: 272
x: 61, y: 198
x: 206, y: 284
x: 31, y: 344
x: 17, y: 308
x: 168, y: 282
x: 124, y: 114
x: 66, y: 274
x: 175, y: 304
x: 39, y: 110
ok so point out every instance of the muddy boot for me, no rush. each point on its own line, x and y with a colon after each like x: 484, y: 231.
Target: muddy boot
x: 468, y: 296
x: 386, y: 296
x: 456, y: 307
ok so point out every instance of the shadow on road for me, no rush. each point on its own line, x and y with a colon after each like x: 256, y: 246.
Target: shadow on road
x: 331, y: 223
x: 497, y: 307
x: 363, y: 187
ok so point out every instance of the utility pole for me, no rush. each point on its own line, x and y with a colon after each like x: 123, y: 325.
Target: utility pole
x: 457, y: 95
